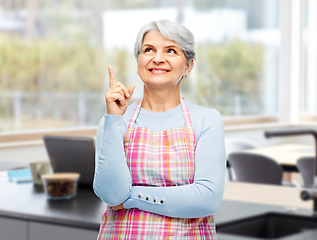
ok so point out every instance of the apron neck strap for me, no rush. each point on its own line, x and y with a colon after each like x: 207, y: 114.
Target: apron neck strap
x: 188, y: 122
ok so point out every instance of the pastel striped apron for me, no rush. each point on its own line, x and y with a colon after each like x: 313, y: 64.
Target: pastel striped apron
x: 162, y: 159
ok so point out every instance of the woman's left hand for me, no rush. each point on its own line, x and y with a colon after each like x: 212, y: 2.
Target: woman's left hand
x: 118, y: 207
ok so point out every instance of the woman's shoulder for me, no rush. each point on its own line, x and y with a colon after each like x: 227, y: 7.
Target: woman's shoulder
x: 200, y: 112
x: 204, y: 119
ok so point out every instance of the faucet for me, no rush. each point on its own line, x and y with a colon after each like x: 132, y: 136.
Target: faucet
x: 308, y: 193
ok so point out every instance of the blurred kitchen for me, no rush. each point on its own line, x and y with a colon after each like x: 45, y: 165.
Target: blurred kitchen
x: 256, y: 64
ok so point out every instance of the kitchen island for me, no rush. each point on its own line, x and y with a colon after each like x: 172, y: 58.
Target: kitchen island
x: 26, y: 213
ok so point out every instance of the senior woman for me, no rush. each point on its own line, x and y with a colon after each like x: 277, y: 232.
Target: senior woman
x: 160, y: 162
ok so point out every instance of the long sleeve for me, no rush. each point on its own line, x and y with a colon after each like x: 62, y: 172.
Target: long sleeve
x: 201, y: 198
x: 112, y: 180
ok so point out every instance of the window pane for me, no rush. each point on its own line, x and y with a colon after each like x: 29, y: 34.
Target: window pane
x: 52, y: 64
x: 237, y: 51
x: 54, y: 57
x: 309, y: 83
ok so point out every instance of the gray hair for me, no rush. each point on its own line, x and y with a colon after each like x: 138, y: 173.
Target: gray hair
x: 184, y: 39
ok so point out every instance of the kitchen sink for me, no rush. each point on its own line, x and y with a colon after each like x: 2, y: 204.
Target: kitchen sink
x: 268, y: 226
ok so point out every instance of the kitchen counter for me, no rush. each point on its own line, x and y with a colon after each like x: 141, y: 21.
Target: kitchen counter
x: 27, y: 214
x: 28, y: 204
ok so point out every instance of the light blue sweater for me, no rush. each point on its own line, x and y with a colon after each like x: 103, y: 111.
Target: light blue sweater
x: 112, y: 181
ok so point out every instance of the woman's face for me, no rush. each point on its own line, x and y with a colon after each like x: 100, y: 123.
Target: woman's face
x: 161, y: 62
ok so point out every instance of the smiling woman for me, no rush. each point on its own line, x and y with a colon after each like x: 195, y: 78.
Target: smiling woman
x: 153, y: 163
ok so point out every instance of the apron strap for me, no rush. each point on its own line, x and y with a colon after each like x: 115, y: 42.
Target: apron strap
x: 135, y: 114
x: 188, y: 122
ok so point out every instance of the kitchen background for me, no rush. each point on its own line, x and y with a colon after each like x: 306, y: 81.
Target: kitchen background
x: 256, y: 64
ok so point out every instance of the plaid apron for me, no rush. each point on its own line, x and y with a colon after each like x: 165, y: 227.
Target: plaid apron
x: 162, y: 159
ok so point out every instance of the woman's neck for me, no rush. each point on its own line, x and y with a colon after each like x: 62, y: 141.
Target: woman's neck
x: 160, y: 100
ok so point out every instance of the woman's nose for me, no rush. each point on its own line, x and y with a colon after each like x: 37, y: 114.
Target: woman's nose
x: 159, y: 58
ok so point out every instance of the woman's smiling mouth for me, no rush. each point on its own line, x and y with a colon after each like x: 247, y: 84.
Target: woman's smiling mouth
x: 158, y: 70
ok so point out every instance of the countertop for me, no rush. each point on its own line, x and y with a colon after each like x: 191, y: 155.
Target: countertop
x: 285, y: 154
x: 29, y: 202
x: 266, y: 194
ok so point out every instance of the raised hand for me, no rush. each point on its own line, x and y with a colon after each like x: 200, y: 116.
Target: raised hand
x: 118, y: 96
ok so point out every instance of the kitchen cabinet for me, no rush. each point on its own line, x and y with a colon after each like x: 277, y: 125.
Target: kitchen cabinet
x: 13, y: 229
x: 40, y: 231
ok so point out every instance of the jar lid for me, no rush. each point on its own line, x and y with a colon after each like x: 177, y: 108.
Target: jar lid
x: 61, y: 176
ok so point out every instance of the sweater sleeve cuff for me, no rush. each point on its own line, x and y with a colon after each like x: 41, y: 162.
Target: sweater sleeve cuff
x: 140, y: 197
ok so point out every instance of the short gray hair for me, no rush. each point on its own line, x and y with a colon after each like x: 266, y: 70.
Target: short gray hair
x: 184, y: 39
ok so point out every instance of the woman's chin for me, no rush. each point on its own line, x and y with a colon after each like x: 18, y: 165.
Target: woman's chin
x: 161, y: 81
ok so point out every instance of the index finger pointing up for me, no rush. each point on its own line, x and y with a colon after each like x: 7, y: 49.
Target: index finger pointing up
x: 112, y: 79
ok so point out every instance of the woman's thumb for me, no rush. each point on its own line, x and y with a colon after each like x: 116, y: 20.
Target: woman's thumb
x: 131, y: 89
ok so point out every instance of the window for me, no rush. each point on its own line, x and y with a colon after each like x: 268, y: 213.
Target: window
x: 238, y: 52
x: 308, y: 107
x: 52, y: 64
x: 54, y: 57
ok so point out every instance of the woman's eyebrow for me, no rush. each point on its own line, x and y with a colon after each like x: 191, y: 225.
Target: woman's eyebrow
x: 171, y: 46
x: 147, y: 45
x: 168, y: 46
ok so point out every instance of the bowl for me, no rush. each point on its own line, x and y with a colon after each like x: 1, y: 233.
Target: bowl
x: 60, y: 185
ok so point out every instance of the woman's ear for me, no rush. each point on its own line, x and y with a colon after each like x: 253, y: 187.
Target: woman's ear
x: 189, y: 66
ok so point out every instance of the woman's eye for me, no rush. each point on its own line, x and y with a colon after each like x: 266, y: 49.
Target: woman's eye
x: 171, y: 51
x: 148, y: 50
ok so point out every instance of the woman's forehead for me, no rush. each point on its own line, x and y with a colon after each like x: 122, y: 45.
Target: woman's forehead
x: 156, y: 37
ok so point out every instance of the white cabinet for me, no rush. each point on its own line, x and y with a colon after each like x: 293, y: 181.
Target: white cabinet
x: 41, y: 231
x: 13, y: 229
